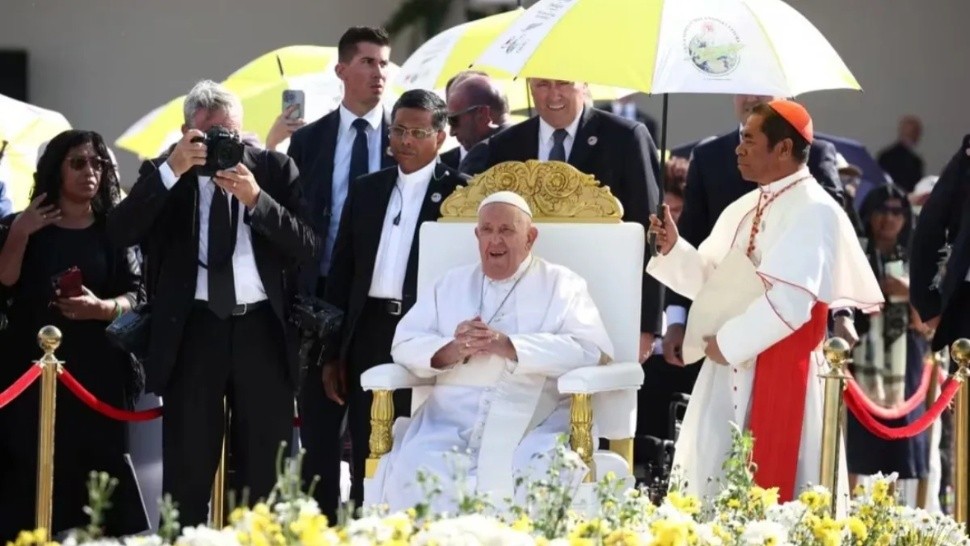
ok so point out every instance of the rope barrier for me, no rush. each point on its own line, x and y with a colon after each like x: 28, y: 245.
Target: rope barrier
x: 20, y: 385
x: 918, y: 426
x: 105, y: 409
x: 902, y: 410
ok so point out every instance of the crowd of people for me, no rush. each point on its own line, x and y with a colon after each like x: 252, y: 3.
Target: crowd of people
x: 221, y: 253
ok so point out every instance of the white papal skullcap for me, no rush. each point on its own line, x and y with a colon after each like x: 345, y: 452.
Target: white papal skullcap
x: 509, y: 198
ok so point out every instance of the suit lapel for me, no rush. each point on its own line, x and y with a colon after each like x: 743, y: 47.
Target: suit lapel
x: 386, y: 160
x: 530, y: 148
x: 442, y: 183
x: 585, y: 140
x: 381, y: 196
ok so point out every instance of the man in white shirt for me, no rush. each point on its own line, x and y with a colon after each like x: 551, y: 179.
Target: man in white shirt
x: 495, y: 336
x: 222, y: 248
x: 331, y: 152
x: 374, y: 273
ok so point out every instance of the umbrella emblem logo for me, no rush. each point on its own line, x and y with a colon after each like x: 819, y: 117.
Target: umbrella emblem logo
x: 713, y: 46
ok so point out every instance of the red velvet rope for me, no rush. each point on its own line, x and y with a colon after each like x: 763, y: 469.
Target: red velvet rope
x: 20, y: 385
x: 105, y: 409
x: 924, y: 422
x: 897, y: 412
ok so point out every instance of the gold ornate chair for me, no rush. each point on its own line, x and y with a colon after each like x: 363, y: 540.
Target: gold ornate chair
x: 580, y: 227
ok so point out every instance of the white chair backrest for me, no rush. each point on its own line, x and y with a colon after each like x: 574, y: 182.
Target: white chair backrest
x: 608, y: 255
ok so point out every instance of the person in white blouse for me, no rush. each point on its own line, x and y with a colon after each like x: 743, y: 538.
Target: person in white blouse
x: 373, y: 276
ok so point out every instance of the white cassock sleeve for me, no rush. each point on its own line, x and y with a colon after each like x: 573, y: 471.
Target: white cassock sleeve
x: 578, y: 340
x: 685, y: 269
x: 796, y: 268
x: 418, y: 337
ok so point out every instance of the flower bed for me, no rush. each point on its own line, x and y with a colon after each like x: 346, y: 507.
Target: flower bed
x: 742, y: 514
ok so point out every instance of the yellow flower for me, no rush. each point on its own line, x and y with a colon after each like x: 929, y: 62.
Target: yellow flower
x: 523, y: 524
x: 734, y: 503
x: 827, y: 531
x: 622, y: 537
x: 687, y: 504
x: 815, y: 500
x: 766, y: 497
x: 857, y: 528
x: 669, y: 533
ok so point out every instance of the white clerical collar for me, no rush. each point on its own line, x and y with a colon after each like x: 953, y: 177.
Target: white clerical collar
x: 523, y: 267
x: 546, y: 130
x: 778, y: 185
x: 419, y: 176
x: 373, y: 118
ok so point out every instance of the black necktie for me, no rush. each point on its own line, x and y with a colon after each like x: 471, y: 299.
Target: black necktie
x: 222, y: 292
x: 359, y: 155
x: 558, y: 152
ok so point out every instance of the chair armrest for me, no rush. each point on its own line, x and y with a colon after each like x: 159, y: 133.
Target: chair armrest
x: 391, y: 377
x: 616, y: 376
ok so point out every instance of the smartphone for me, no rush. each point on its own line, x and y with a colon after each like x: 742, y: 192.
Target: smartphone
x: 68, y: 283
x: 294, y: 96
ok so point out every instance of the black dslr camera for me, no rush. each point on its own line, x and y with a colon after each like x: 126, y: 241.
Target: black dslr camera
x: 224, y: 150
x: 318, y: 323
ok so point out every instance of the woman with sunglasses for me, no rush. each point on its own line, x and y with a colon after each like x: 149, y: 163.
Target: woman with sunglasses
x: 888, y: 361
x: 75, y: 186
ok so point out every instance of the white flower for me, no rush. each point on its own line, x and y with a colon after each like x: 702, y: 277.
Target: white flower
x: 72, y: 540
x: 789, y: 514
x: 471, y: 530
x: 204, y: 536
x: 149, y: 540
x: 757, y: 533
x: 706, y: 536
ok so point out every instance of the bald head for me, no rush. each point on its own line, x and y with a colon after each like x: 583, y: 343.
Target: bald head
x: 476, y: 106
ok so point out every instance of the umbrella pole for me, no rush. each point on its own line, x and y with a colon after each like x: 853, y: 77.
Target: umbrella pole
x: 651, y: 237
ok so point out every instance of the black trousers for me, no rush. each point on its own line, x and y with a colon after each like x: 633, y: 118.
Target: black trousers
x: 322, y: 418
x: 955, y: 322
x: 243, y: 360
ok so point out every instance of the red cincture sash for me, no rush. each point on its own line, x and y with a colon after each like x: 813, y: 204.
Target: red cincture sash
x: 778, y: 404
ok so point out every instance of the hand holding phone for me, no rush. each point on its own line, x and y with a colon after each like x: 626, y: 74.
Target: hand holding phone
x: 69, y: 283
x: 296, y: 98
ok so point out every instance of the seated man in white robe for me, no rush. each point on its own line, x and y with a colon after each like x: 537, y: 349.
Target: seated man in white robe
x: 495, y: 335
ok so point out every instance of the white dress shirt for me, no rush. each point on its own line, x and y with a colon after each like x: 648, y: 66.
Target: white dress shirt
x: 546, y: 141
x: 346, y: 134
x: 395, y: 247
x: 249, y: 287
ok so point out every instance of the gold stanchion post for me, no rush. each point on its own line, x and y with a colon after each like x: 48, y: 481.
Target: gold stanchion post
x: 49, y: 339
x: 960, y: 353
x: 837, y: 353
x: 218, y: 500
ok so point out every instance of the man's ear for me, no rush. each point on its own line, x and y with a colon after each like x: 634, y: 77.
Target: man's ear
x: 184, y: 128
x: 440, y: 139
x: 531, y: 237
x: 338, y: 69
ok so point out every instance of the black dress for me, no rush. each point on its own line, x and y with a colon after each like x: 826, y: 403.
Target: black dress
x: 84, y: 440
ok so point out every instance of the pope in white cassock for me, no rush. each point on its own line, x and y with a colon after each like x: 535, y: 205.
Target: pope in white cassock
x: 762, y: 283
x: 495, y: 335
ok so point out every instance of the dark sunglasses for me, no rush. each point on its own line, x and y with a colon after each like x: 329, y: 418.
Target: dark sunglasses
x: 96, y: 163
x: 896, y: 211
x: 454, y: 119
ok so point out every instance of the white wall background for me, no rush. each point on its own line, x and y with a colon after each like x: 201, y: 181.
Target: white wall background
x: 105, y: 63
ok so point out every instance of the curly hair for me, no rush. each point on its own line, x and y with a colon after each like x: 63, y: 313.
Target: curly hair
x: 48, y: 180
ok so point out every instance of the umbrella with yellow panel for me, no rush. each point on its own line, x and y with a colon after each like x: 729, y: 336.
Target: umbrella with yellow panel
x: 24, y: 127
x: 259, y: 84
x: 451, y: 51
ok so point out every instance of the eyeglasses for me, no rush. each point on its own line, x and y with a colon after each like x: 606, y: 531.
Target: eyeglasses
x: 416, y: 132
x: 454, y: 119
x: 96, y: 163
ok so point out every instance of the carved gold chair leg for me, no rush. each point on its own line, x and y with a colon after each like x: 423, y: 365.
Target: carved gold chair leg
x: 624, y: 448
x: 581, y: 431
x: 381, y: 421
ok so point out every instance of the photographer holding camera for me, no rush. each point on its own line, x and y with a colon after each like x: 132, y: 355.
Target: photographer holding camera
x: 222, y: 228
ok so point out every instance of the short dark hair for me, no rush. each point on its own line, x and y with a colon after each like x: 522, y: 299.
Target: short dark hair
x: 48, y: 178
x: 347, y: 46
x: 777, y: 128
x: 422, y: 99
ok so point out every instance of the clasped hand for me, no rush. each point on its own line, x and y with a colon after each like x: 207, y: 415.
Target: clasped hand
x: 476, y: 338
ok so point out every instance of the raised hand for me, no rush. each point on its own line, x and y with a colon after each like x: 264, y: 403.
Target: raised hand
x: 665, y: 230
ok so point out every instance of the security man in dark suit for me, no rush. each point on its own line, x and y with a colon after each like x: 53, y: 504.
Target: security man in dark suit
x: 375, y: 261
x: 224, y: 247
x: 331, y: 153
x: 940, y: 255
x: 617, y: 151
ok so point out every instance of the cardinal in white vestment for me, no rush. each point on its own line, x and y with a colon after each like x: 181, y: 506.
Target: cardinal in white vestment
x: 762, y: 283
x: 495, y: 336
